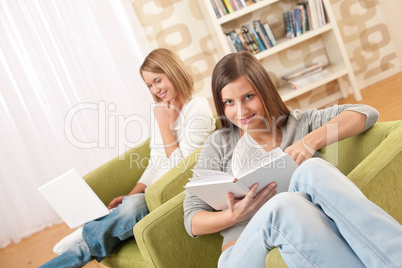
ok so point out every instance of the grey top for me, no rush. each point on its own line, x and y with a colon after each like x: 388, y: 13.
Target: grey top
x: 217, y: 153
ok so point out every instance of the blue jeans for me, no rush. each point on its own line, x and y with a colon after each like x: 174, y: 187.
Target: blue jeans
x: 104, y: 235
x: 323, y: 221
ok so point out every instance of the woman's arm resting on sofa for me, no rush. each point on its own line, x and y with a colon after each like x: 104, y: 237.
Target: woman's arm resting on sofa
x: 346, y: 124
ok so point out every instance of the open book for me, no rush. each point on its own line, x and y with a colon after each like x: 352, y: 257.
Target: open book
x: 250, y: 164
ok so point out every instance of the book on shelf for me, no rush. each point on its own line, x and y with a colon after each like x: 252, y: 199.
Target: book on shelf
x: 306, y: 76
x: 308, y: 79
x: 317, y: 13
x: 235, y: 5
x: 230, y: 42
x: 236, y: 41
x: 216, y: 9
x: 314, y: 15
x: 257, y: 37
x: 297, y: 22
x: 306, y: 15
x: 321, y: 13
x: 288, y: 24
x: 244, y: 3
x: 221, y: 4
x: 302, y: 71
x: 224, y: 7
x: 250, y: 40
x: 253, y: 38
x: 228, y: 6
x: 270, y: 34
x: 303, y: 18
x: 250, y: 164
x: 242, y: 39
x: 264, y: 35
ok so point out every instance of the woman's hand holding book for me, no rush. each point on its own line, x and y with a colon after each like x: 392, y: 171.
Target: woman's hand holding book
x: 241, y: 209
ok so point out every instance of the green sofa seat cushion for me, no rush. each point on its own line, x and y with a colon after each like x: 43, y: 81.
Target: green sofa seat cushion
x: 124, y: 255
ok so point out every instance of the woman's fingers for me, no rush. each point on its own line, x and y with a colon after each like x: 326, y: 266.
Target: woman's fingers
x: 299, y: 152
x: 251, y: 193
x: 242, y: 208
x: 267, y: 192
x: 115, y: 202
x: 112, y: 205
x: 230, y: 200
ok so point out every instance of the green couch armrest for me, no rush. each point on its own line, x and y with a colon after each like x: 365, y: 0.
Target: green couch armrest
x: 163, y: 241
x: 379, y: 174
x: 347, y: 154
x: 119, y: 176
x: 171, y: 183
x: 372, y: 160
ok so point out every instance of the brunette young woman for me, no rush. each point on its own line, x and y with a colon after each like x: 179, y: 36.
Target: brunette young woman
x: 323, y: 220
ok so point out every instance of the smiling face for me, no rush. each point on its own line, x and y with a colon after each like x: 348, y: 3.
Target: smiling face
x: 242, y: 105
x: 160, y: 85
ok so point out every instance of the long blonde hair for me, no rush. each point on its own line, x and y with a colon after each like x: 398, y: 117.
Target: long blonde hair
x: 162, y: 60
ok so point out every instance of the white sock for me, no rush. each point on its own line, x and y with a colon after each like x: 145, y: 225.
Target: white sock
x: 68, y: 242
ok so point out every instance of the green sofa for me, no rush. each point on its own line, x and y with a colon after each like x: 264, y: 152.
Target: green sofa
x: 372, y: 160
x: 118, y: 177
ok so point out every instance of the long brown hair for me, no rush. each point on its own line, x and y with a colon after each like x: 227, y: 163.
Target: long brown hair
x: 243, y: 63
x: 163, y: 60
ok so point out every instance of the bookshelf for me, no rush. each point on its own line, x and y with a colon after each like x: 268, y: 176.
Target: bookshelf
x: 327, y: 37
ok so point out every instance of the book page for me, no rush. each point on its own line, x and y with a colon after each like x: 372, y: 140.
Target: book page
x: 209, y: 176
x: 280, y: 170
x: 198, y: 173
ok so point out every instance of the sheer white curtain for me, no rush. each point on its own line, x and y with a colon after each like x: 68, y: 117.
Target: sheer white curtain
x: 69, y: 87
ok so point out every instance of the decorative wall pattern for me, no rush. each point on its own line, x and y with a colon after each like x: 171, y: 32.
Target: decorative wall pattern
x: 366, y: 38
x: 179, y: 25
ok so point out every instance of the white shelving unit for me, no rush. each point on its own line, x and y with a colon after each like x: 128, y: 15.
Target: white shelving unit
x: 338, y: 62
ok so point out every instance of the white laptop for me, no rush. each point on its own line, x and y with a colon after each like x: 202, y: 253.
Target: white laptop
x: 73, y: 199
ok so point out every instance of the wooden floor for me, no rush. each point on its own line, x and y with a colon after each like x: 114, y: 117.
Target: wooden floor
x: 385, y: 96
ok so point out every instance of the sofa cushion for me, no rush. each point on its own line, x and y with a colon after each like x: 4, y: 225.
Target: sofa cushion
x: 127, y: 255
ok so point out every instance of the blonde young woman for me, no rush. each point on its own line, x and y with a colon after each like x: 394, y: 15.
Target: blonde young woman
x: 183, y: 123
x: 323, y: 220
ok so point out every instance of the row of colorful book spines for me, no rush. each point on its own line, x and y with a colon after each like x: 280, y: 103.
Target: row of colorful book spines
x: 302, y: 19
x: 297, y: 21
x: 250, y: 38
x: 224, y: 7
